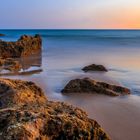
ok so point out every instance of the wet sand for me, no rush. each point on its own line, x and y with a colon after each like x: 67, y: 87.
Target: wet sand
x: 119, y: 116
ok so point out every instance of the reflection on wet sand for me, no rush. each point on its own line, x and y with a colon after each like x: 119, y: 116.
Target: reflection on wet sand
x: 22, y: 66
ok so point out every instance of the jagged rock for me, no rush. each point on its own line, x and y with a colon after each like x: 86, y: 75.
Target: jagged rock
x: 25, y: 46
x: 94, y: 67
x: 87, y: 85
x: 10, y: 64
x: 2, y: 35
x: 17, y: 92
x: 26, y: 114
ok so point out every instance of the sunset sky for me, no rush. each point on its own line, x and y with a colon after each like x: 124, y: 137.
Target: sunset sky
x: 71, y: 14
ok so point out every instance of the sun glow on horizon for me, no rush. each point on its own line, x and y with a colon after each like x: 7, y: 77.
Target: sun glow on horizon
x: 62, y: 14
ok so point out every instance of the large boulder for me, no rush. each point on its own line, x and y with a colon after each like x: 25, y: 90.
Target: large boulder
x: 94, y: 67
x: 26, y: 114
x: 25, y: 46
x: 87, y: 85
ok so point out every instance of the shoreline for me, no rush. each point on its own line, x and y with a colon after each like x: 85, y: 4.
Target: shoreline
x: 107, y: 111
x: 94, y: 105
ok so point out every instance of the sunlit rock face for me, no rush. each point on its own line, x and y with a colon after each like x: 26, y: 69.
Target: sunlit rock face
x: 26, y: 114
x: 21, y: 57
x: 25, y: 46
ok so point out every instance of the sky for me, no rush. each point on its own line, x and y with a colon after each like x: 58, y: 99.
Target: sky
x: 69, y: 14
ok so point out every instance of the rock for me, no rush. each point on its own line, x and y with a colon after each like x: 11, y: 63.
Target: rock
x: 21, y: 66
x: 2, y: 35
x: 26, y: 114
x: 10, y: 64
x: 25, y: 46
x: 94, y: 67
x: 17, y: 93
x: 87, y: 85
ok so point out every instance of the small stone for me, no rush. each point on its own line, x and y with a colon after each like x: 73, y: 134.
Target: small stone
x: 94, y: 67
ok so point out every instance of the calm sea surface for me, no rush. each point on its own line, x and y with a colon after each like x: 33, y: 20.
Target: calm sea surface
x: 65, y: 52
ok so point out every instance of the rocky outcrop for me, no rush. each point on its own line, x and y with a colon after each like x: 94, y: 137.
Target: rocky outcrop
x: 26, y: 114
x: 10, y: 64
x: 25, y: 46
x: 16, y: 93
x: 94, y: 67
x: 87, y: 85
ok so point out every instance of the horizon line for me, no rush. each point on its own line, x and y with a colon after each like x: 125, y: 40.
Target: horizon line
x: 70, y: 29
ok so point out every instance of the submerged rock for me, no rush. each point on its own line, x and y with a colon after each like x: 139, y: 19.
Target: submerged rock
x: 94, y: 67
x: 87, y: 85
x: 2, y: 35
x: 25, y: 46
x: 26, y: 114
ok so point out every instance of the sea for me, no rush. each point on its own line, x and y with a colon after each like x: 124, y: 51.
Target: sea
x: 66, y: 52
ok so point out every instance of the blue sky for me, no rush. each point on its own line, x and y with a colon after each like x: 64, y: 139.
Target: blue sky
x: 69, y: 14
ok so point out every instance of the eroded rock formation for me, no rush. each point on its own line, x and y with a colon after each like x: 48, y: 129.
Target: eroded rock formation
x: 87, y: 85
x: 25, y: 46
x: 94, y: 67
x: 26, y: 114
x: 21, y: 66
x: 10, y: 64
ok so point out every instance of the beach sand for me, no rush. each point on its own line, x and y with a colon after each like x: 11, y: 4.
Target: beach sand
x: 119, y: 116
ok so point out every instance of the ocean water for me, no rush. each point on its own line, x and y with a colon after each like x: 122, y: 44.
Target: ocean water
x: 66, y: 52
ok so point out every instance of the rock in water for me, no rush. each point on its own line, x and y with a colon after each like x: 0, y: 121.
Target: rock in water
x: 25, y: 46
x: 2, y: 35
x: 87, y: 85
x: 94, y: 67
x: 10, y: 64
x: 26, y: 114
